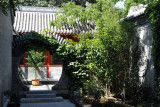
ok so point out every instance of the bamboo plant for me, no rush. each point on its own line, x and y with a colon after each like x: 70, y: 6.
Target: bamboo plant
x: 35, y: 59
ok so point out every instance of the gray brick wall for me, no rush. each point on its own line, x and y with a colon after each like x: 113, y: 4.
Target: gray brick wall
x: 5, y: 54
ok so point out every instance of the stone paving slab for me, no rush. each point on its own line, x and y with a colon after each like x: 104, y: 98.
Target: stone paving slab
x: 41, y: 92
x: 50, y: 95
x: 38, y: 100
x: 65, y: 103
x: 40, y: 87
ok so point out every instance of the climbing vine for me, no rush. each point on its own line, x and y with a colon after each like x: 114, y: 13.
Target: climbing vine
x: 39, y: 42
x: 154, y: 15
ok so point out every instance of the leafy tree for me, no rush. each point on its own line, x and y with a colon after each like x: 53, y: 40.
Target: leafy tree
x: 6, y: 5
x: 51, y: 3
x: 103, y: 57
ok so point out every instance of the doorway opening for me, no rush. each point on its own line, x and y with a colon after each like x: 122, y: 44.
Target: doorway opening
x: 40, y: 66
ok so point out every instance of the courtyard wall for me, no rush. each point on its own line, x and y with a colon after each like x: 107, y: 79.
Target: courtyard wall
x: 141, y: 49
x: 5, y: 54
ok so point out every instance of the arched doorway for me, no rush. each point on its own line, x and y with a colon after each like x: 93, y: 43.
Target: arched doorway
x: 18, y: 51
x: 46, y: 68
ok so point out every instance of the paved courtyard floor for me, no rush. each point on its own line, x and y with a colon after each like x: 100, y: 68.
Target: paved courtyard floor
x: 40, y: 87
x: 65, y: 103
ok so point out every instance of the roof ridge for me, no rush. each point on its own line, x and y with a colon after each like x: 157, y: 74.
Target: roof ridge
x: 38, y: 9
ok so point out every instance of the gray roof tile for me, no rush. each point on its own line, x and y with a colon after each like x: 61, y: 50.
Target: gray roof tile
x: 37, y: 19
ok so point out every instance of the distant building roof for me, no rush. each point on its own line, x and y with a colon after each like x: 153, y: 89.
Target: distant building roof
x: 37, y: 19
x: 136, y: 11
x: 38, y: 9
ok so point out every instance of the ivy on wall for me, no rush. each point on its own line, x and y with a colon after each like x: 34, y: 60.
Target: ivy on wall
x: 154, y: 15
x: 38, y: 42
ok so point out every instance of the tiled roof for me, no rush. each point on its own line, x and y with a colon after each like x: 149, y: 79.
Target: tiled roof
x: 136, y: 11
x: 37, y: 19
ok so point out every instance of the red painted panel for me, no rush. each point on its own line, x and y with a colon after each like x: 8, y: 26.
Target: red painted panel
x: 46, y: 59
x: 50, y: 59
x: 72, y: 36
x: 47, y: 71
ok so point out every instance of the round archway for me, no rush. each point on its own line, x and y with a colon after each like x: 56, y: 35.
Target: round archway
x: 37, y: 42
x: 40, y: 70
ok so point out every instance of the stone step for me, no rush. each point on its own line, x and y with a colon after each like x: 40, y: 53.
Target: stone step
x: 40, y: 92
x: 41, y: 95
x: 41, y: 100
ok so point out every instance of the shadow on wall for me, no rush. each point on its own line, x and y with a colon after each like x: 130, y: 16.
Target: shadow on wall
x: 26, y: 74
x: 145, y: 62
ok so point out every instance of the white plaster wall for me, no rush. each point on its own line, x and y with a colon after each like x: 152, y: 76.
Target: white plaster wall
x: 55, y: 73
x: 27, y: 73
x: 5, y: 54
x: 145, y: 63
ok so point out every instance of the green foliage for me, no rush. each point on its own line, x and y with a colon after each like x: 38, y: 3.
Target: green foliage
x: 39, y: 3
x: 98, y: 59
x: 114, y: 104
x: 36, y: 59
x: 51, y: 3
x: 36, y: 44
x: 154, y: 14
x: 95, y: 12
x: 41, y: 42
x: 103, y: 57
x: 6, y: 5
x: 14, y: 98
x: 97, y: 92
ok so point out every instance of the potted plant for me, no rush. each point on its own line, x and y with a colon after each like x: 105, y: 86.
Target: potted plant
x: 35, y: 59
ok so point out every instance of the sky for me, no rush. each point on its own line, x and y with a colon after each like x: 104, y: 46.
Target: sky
x: 120, y: 4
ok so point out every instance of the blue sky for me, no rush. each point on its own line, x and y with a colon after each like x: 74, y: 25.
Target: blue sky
x: 120, y: 4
